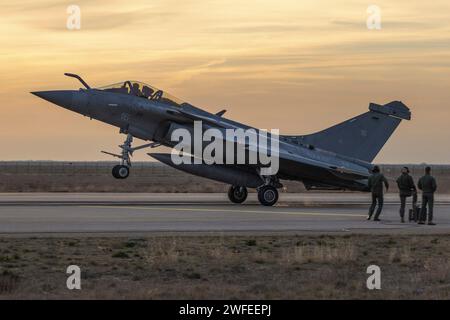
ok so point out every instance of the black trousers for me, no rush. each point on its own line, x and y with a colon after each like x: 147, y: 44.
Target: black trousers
x: 403, y: 204
x: 427, y: 199
x: 377, y: 198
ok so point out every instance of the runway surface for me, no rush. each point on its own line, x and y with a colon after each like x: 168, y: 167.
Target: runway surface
x: 141, y: 213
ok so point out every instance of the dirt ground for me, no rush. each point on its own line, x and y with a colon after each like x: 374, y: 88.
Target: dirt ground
x: 226, y: 267
x: 95, y: 176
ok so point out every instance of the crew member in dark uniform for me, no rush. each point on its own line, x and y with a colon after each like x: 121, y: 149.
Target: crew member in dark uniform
x: 375, y: 184
x: 428, y: 186
x: 406, y: 188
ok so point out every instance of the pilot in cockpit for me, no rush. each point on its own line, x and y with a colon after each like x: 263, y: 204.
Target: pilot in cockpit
x: 147, y: 92
x: 124, y: 88
x: 135, y: 90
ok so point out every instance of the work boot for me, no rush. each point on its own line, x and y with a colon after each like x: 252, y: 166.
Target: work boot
x: 431, y: 223
x: 376, y: 219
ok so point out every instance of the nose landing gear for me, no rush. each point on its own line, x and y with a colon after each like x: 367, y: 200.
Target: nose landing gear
x: 122, y: 170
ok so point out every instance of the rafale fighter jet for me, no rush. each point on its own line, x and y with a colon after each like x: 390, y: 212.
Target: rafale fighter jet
x: 337, y: 158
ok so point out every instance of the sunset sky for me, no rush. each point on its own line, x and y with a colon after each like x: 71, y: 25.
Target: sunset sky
x: 299, y: 66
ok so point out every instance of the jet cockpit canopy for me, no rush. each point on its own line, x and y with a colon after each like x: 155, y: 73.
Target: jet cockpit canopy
x: 142, y: 90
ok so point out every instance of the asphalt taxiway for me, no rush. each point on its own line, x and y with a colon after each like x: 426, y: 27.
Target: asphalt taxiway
x: 140, y: 213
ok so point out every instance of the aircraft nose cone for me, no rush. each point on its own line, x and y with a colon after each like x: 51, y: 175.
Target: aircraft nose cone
x: 62, y: 98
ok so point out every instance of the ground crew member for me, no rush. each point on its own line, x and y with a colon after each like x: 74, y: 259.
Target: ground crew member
x: 375, y: 184
x: 406, y: 188
x: 428, y: 186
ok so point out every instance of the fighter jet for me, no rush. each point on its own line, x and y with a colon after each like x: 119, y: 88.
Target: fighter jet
x: 337, y: 158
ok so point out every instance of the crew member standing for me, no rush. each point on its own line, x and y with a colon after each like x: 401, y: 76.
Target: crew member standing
x: 406, y: 188
x: 428, y: 186
x: 375, y: 184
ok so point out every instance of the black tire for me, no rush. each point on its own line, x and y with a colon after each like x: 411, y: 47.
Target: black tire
x: 120, y: 172
x: 114, y: 171
x: 123, y: 172
x: 268, y: 195
x: 237, y: 194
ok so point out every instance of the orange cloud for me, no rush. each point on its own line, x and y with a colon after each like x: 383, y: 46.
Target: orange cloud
x: 295, y: 65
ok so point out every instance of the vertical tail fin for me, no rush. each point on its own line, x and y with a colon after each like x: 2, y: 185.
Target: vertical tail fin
x: 361, y: 137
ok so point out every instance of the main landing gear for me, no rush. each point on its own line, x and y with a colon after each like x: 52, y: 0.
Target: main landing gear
x: 122, y: 170
x: 237, y: 194
x: 267, y: 193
